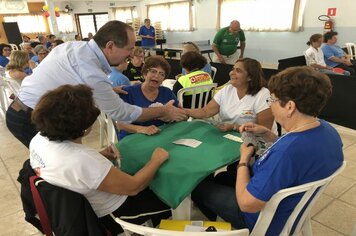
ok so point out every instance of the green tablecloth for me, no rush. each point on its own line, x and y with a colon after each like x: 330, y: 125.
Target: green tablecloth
x: 186, y: 166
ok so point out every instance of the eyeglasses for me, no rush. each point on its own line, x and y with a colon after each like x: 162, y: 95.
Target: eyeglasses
x: 42, y: 53
x: 155, y: 72
x: 271, y: 100
x: 7, y: 49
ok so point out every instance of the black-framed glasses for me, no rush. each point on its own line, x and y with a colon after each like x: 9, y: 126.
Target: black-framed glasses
x: 155, y: 72
x: 271, y: 100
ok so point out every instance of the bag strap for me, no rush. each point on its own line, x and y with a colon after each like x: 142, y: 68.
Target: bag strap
x: 46, y: 226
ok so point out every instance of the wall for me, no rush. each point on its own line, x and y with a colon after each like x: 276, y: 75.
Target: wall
x: 33, y: 8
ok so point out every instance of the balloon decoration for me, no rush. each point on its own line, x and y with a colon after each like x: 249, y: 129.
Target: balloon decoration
x: 56, y: 11
x: 46, y: 12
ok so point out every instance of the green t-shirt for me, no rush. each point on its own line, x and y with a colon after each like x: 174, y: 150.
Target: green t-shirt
x: 227, y: 42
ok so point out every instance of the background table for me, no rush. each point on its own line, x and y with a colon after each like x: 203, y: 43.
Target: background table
x: 186, y: 166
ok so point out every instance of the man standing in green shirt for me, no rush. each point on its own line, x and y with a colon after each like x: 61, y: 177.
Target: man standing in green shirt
x: 225, y: 44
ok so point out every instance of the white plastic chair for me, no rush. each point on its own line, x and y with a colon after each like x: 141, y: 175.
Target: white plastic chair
x: 200, y: 90
x: 351, y: 50
x: 14, y: 47
x: 4, y: 102
x: 130, y: 228
x: 214, y: 70
x: 107, y: 130
x: 303, y: 226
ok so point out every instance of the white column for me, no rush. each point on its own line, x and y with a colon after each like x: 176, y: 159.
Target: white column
x: 53, y: 27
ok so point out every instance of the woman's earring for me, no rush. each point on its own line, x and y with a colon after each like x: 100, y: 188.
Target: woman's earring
x: 289, y: 115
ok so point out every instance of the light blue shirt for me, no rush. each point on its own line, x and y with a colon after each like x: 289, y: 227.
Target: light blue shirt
x: 118, y: 79
x: 332, y: 51
x: 78, y: 62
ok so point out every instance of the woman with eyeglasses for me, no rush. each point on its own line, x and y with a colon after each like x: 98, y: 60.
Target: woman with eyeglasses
x: 5, y: 51
x: 310, y: 150
x: 41, y: 52
x: 148, y: 94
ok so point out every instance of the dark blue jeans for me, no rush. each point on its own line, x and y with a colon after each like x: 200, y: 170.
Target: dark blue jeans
x: 20, y: 125
x: 214, y: 199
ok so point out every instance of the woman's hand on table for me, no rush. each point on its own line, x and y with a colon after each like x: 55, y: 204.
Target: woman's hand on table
x: 160, y: 155
x: 224, y: 127
x: 148, y: 130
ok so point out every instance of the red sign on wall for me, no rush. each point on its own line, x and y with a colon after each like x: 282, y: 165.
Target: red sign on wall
x: 331, y: 11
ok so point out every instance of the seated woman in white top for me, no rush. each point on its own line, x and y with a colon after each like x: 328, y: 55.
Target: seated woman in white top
x: 63, y: 117
x: 243, y: 100
x: 314, y: 56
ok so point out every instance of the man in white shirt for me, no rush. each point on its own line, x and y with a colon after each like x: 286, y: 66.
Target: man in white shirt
x: 84, y: 63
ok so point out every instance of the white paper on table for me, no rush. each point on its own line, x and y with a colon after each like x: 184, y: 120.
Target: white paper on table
x: 188, y: 142
x: 233, y: 138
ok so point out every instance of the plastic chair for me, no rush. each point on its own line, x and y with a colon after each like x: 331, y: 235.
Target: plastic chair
x: 107, y: 130
x: 14, y: 47
x: 130, y: 228
x: 4, y: 102
x: 202, y: 90
x: 213, y: 72
x: 351, y: 50
x: 310, y: 189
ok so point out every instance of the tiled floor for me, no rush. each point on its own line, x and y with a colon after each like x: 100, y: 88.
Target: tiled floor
x: 334, y: 213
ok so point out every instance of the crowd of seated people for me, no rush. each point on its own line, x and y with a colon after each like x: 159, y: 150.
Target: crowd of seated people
x: 243, y: 105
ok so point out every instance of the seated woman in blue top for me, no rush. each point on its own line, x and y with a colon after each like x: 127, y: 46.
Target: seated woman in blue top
x: 310, y: 150
x: 148, y: 94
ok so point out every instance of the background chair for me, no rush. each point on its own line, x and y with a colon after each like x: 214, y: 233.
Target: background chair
x: 312, y: 192
x: 351, y: 50
x: 200, y: 95
x: 14, y: 47
x: 213, y: 72
x: 130, y: 228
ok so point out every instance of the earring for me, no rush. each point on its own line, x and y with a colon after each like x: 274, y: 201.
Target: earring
x: 289, y: 115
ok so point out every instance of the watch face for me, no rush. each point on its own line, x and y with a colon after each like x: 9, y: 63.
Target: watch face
x: 14, y: 5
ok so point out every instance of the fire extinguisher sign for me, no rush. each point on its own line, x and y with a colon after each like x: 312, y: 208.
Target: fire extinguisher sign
x: 331, y: 11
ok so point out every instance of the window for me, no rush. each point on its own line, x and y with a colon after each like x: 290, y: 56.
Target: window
x: 65, y: 23
x: 29, y: 23
x: 125, y: 14
x: 262, y: 15
x: 90, y: 22
x: 174, y: 16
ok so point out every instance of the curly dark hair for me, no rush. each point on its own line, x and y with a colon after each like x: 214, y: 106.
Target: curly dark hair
x: 65, y: 112
x: 309, y: 89
x: 115, y: 31
x: 192, y: 61
x: 255, y: 73
x: 156, y: 61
